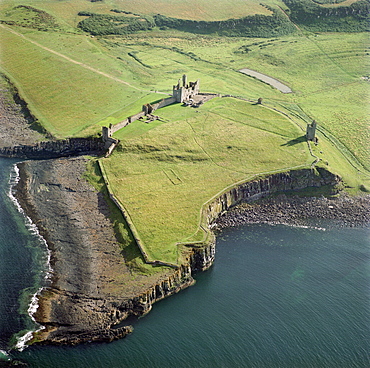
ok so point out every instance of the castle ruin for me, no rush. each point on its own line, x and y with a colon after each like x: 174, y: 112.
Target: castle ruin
x: 180, y: 93
x: 185, y: 91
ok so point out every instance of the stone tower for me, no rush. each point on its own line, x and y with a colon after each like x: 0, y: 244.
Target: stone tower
x: 185, y: 91
x: 311, y: 131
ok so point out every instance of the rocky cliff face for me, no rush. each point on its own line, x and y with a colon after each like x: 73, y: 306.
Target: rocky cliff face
x: 93, y: 291
x: 281, y: 182
x: 16, y: 122
x: 142, y: 304
x: 54, y: 149
x: 202, y: 258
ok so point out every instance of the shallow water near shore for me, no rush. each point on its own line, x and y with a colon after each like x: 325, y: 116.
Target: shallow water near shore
x: 22, y: 264
x: 277, y: 296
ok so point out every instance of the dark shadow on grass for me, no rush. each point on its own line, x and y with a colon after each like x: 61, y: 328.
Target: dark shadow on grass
x: 295, y: 141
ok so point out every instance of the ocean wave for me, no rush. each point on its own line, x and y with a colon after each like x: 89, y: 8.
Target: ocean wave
x: 13, y: 181
x: 4, y: 355
x: 34, y: 301
x: 302, y: 226
x: 22, y: 340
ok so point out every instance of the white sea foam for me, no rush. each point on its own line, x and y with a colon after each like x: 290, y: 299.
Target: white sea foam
x: 34, y: 303
x: 13, y: 181
x: 27, y: 336
x: 4, y: 355
x: 306, y: 227
x: 291, y: 225
x: 22, y: 341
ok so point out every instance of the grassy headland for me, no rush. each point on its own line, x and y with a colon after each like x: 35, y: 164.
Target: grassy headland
x: 80, y: 65
x: 164, y: 172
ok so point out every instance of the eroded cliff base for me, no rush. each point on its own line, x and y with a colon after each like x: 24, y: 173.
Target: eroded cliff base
x: 343, y: 210
x: 93, y: 289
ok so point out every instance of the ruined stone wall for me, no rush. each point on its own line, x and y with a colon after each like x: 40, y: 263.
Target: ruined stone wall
x: 136, y: 116
x: 123, y: 123
x: 107, y: 132
x: 110, y: 145
x: 164, y: 102
x: 119, y: 126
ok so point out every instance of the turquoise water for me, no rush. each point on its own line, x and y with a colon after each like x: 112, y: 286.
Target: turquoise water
x: 276, y: 296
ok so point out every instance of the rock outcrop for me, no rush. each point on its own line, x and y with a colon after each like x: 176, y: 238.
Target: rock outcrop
x: 342, y: 211
x: 56, y: 148
x: 293, y: 180
x: 17, y: 124
x: 93, y: 291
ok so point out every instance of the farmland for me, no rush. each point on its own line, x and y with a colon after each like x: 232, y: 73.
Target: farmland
x: 75, y: 82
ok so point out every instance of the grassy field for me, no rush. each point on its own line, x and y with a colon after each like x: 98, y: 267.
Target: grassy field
x: 192, y: 9
x: 74, y: 84
x: 164, y: 171
x: 321, y: 69
x: 70, y: 91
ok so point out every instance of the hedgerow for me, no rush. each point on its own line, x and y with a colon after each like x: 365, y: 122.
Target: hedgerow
x: 105, y: 24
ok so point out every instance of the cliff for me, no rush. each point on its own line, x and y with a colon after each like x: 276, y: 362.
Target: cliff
x: 93, y: 291
x: 293, y: 180
x: 92, y: 288
x: 55, y: 149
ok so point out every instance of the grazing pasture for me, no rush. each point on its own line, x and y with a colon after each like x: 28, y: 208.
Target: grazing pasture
x: 70, y: 87
x: 192, y: 9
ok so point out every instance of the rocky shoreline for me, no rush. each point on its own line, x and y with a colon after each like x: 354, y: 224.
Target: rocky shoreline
x: 343, y: 211
x: 93, y: 288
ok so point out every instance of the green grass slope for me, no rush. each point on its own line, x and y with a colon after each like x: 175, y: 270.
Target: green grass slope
x: 164, y: 172
x: 71, y: 85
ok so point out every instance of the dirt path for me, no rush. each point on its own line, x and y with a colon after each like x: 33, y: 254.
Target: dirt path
x: 283, y: 11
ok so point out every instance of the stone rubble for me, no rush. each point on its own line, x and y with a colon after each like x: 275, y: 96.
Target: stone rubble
x: 300, y: 211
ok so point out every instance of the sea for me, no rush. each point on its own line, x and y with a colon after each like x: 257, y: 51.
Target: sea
x: 276, y: 297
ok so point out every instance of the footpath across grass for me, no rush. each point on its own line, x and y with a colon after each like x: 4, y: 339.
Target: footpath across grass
x: 70, y: 89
